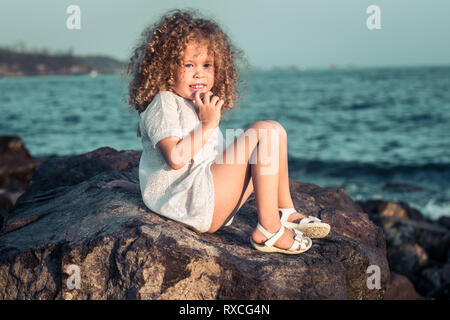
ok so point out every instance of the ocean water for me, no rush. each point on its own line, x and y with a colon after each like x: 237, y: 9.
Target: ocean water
x: 380, y: 133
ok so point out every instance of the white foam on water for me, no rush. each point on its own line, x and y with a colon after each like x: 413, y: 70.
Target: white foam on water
x: 434, y: 210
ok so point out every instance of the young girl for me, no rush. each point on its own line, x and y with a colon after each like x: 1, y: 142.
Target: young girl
x: 183, y: 78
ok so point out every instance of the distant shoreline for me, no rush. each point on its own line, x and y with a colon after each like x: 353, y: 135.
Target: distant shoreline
x: 15, y: 63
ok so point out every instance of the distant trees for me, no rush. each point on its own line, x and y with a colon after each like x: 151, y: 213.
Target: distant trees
x: 18, y: 60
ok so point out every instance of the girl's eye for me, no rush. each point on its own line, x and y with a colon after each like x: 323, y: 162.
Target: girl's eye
x: 189, y: 65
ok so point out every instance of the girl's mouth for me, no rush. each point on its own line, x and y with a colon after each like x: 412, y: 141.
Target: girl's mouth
x: 197, y: 87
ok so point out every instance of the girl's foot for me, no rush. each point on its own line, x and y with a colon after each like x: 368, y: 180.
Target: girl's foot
x: 284, y: 242
x: 295, y: 217
x: 311, y: 226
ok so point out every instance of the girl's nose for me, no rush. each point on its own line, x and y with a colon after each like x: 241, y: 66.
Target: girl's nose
x: 198, y: 73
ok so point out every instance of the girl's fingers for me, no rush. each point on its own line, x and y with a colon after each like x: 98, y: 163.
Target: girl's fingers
x: 198, y: 101
x: 207, y: 97
x: 219, y: 105
x: 214, y: 100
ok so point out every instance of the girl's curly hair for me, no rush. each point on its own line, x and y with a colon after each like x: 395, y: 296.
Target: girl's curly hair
x: 154, y: 64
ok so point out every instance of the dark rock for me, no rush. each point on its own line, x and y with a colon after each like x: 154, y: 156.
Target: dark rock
x: 416, y: 247
x: 429, y: 280
x: 400, y: 288
x: 407, y: 259
x: 398, y: 210
x: 5, y: 202
x: 3, y: 217
x: 16, y: 168
x: 13, y: 145
x: 445, y: 273
x: 71, y: 170
x: 124, y: 251
x: 382, y: 208
x: 445, y: 222
x: 435, y: 281
x: 16, y: 163
x: 62, y: 172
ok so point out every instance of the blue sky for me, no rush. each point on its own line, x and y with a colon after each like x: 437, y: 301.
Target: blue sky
x: 313, y: 33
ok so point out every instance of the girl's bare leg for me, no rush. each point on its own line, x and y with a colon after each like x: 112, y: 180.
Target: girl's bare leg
x: 284, y: 196
x: 232, y: 177
x: 284, y: 193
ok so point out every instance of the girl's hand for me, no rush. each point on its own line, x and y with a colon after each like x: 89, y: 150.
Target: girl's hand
x: 209, y: 109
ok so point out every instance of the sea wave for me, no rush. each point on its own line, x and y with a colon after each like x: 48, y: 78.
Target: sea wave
x: 353, y: 168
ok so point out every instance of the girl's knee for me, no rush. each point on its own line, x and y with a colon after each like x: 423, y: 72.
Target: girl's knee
x: 266, y: 125
x: 270, y: 125
x: 277, y: 125
x: 260, y: 125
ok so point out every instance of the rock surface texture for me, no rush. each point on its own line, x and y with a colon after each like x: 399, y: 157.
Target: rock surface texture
x: 66, y: 224
x: 417, y: 248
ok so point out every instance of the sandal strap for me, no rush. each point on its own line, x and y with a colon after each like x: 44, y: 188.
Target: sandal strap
x: 285, y: 213
x: 299, y: 238
x: 309, y: 220
x: 266, y: 233
x: 271, y: 237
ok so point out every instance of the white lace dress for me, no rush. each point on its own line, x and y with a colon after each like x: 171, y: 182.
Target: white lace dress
x: 187, y: 194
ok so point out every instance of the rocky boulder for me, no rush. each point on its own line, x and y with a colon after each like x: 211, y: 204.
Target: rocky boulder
x: 67, y: 237
x: 417, y: 248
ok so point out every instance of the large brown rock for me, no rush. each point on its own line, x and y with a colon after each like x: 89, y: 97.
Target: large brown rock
x: 124, y: 251
x: 401, y: 288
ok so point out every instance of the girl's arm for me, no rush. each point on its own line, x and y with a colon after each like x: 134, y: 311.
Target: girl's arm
x: 177, y: 152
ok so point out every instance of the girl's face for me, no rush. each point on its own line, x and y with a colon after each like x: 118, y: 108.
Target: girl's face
x: 197, y: 71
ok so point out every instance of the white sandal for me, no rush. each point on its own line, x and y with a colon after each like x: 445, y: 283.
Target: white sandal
x: 311, y: 226
x: 268, y: 245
